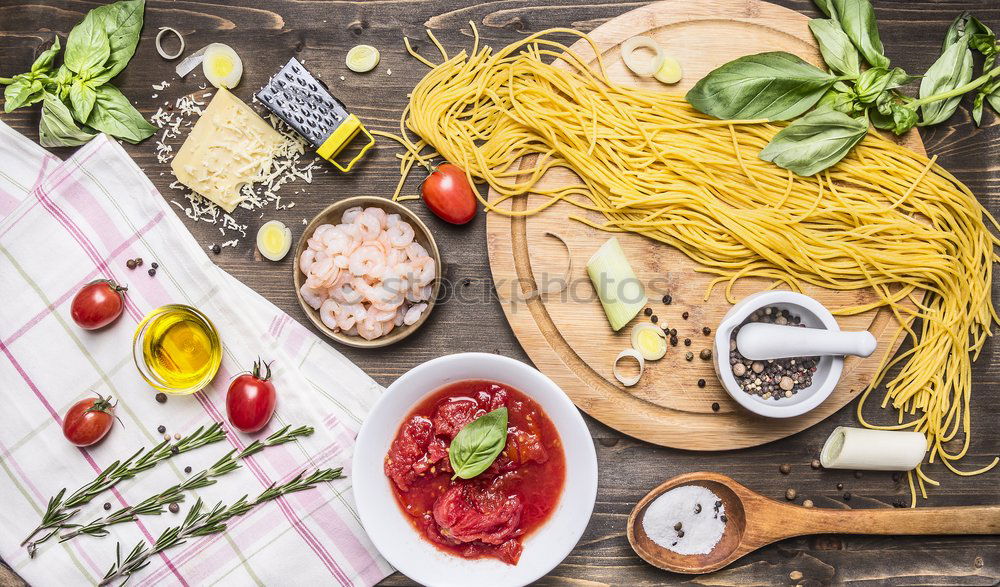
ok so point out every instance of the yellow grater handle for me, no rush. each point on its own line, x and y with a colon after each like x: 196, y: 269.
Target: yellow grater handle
x: 342, y: 137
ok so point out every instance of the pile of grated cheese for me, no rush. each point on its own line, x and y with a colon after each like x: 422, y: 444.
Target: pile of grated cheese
x: 290, y: 164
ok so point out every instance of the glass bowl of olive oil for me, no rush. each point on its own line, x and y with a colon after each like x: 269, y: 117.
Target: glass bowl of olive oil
x: 177, y: 349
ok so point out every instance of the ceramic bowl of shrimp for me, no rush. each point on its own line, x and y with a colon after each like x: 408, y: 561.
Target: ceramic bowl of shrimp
x: 367, y: 271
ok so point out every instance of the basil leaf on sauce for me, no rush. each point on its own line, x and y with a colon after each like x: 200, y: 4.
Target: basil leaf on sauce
x: 478, y: 444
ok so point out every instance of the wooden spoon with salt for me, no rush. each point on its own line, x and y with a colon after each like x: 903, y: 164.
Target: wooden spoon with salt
x: 754, y: 521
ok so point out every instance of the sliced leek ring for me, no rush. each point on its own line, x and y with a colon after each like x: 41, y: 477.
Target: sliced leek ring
x: 362, y: 58
x: 670, y: 72
x: 649, y: 340
x: 633, y: 354
x: 223, y: 68
x: 641, y: 65
x: 274, y: 240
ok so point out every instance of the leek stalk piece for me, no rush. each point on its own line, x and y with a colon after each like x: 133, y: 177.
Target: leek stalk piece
x: 620, y: 291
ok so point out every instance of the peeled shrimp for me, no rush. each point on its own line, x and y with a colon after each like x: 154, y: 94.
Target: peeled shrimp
x: 400, y: 235
x: 415, y: 251
x: 306, y: 260
x: 313, y: 297
x: 424, y: 271
x: 367, y: 260
x: 350, y: 315
x: 328, y: 314
x: 369, y: 227
x: 413, y: 314
x: 369, y: 328
x: 350, y: 214
x: 379, y: 214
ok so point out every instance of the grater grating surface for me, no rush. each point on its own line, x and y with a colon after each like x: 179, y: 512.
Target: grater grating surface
x: 303, y: 102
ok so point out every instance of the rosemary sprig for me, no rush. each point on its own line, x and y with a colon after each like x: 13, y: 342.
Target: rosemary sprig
x: 202, y: 523
x: 60, y: 508
x: 154, y: 505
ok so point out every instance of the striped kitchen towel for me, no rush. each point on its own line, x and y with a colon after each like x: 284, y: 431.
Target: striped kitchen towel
x: 67, y: 223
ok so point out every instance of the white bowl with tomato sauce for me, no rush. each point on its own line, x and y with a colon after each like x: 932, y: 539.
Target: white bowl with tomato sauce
x: 509, y: 525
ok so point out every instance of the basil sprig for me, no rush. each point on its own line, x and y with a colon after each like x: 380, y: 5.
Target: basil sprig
x: 77, y: 99
x: 836, y: 107
x: 478, y: 444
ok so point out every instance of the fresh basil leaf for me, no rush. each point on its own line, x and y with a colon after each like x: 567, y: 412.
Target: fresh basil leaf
x: 87, y: 47
x: 857, y: 19
x: 836, y: 48
x: 826, y: 8
x: 775, y: 86
x: 57, y: 127
x: 24, y: 90
x: 964, y: 24
x: 478, y: 443
x: 951, y: 70
x: 833, y: 99
x: 115, y: 115
x: 815, y: 142
x: 43, y: 63
x: 122, y: 23
x: 989, y: 92
x: 874, y: 82
x: 82, y: 97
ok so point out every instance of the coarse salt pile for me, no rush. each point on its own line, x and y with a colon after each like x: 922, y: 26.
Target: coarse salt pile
x: 689, y: 519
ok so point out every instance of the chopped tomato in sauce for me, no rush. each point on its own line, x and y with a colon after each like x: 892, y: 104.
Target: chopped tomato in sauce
x: 489, y: 515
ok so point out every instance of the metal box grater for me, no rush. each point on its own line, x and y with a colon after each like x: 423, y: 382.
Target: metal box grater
x: 304, y: 103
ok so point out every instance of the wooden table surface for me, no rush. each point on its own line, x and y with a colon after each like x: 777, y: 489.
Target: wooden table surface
x: 267, y: 33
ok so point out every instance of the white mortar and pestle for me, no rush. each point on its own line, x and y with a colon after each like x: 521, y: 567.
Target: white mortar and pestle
x: 821, y: 337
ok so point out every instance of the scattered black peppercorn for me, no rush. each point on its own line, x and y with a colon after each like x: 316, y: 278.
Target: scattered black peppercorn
x: 815, y: 464
x: 705, y: 354
x: 706, y: 331
x: 107, y: 505
x: 161, y: 428
x: 174, y: 450
x: 187, y: 469
x: 678, y: 526
x: 684, y: 315
x: 687, y: 342
x: 689, y: 356
x: 840, y: 486
x: 654, y: 318
x: 138, y: 261
x: 673, y: 341
x: 673, y: 332
x: 667, y: 299
x: 715, y: 406
x: 680, y: 533
x: 174, y: 508
x: 697, y: 508
x: 161, y: 398
x: 154, y: 265
x: 216, y: 248
x: 785, y: 468
x: 790, y: 494
x: 723, y: 518
x: 847, y: 496
x: 648, y: 311
x: 151, y: 272
x: 130, y: 263
x: 701, y: 383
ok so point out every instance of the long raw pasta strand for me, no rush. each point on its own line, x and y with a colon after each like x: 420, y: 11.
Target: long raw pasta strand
x: 884, y: 218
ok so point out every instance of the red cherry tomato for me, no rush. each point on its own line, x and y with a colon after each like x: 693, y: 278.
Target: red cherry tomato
x: 89, y: 420
x: 250, y: 400
x: 98, y: 304
x: 448, y: 194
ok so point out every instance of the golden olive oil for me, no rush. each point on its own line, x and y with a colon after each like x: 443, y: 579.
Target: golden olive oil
x: 180, y: 349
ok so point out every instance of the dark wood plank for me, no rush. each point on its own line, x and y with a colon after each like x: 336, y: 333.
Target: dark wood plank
x: 267, y: 33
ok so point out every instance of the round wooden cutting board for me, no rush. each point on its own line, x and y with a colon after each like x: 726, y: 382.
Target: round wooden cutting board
x: 567, y: 334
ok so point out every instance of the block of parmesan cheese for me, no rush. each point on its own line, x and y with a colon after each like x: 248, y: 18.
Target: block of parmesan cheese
x: 228, y: 147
